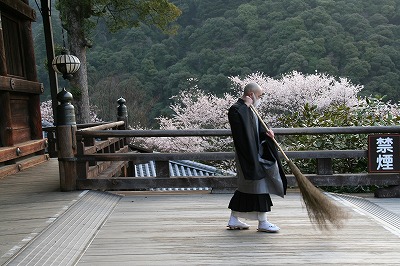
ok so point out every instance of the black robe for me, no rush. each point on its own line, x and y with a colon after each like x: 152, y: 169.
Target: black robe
x: 247, y: 143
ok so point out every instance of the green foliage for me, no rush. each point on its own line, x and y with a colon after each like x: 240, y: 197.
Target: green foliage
x: 358, y: 39
x: 340, y: 38
x: 120, y: 14
x: 334, y: 116
x: 370, y: 114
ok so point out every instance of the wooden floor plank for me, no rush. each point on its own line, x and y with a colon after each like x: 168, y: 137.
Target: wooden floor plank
x: 29, y: 201
x: 190, y: 230
x: 392, y: 204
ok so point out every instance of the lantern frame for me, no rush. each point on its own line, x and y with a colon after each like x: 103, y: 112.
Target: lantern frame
x: 66, y: 64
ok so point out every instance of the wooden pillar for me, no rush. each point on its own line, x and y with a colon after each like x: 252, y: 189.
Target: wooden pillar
x: 324, y: 166
x: 30, y: 72
x: 122, y: 115
x: 29, y: 51
x: 3, y: 63
x: 52, y: 147
x: 66, y: 156
x: 5, y: 123
x: 162, y: 168
x: 390, y: 192
x: 6, y: 132
x: 82, y: 168
x: 131, y: 169
x: 48, y: 36
x: 66, y: 141
x: 35, y: 117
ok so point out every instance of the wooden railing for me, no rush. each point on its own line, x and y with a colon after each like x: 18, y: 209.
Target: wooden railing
x: 21, y: 156
x: 105, y: 161
x: 90, y: 146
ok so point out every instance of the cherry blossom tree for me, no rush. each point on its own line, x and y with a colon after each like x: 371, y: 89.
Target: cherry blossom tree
x: 46, y: 110
x: 291, y: 92
x: 195, y: 109
x: 47, y: 113
x: 291, y: 101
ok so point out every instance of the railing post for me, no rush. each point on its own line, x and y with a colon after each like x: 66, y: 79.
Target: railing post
x: 51, y: 145
x: 88, y: 142
x: 122, y: 112
x: 131, y: 169
x: 122, y: 115
x: 390, y: 192
x: 162, y: 168
x: 82, y: 168
x: 324, y: 166
x: 66, y: 141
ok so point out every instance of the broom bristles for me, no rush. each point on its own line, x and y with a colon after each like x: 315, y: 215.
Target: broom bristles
x: 320, y: 209
x: 322, y: 212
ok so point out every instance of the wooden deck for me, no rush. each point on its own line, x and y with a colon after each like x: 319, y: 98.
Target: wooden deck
x: 189, y: 228
x: 29, y: 201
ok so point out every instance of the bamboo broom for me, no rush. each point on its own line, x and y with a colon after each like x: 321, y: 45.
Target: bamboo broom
x: 320, y: 208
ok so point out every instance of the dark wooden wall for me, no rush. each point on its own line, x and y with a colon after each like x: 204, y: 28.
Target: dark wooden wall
x: 20, y: 119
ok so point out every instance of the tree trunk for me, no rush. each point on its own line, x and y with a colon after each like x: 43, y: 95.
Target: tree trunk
x: 79, y: 82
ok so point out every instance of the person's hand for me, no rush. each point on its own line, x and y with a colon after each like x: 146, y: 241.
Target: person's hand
x: 270, y: 133
x: 248, y: 100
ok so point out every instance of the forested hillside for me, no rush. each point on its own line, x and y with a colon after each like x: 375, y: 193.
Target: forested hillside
x: 358, y: 39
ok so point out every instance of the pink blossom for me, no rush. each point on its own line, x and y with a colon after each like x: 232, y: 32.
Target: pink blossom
x: 196, y: 109
x: 46, y: 110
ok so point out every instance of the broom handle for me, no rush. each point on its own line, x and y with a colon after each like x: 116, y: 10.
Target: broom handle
x: 267, y: 128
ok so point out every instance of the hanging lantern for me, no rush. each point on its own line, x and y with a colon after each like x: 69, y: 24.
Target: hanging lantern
x: 66, y: 64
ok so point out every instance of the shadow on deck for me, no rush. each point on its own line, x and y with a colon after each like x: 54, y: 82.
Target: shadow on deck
x: 39, y: 225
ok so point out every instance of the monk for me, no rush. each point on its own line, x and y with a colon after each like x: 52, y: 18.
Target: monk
x: 259, y: 168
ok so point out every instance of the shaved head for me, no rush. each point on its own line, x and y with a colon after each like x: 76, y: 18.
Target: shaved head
x: 252, y: 87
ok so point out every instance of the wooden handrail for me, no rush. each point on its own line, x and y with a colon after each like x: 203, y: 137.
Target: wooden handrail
x: 139, y: 157
x: 79, y: 126
x: 96, y: 132
x: 113, y: 166
x: 336, y: 130
x: 210, y: 156
x: 102, y: 127
x: 156, y: 133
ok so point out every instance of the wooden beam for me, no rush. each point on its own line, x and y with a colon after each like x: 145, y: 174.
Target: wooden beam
x: 22, y: 165
x: 19, y: 8
x: 351, y: 179
x: 103, y: 126
x: 226, y: 182
x: 143, y: 157
x: 95, y: 132
x: 22, y: 149
x: 99, y: 145
x: 208, y: 156
x: 95, y: 170
x: 20, y: 85
x: 226, y: 132
x: 145, y: 183
x: 324, y: 154
x: 114, y: 169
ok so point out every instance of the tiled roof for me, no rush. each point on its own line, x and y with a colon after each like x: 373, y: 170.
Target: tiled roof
x: 180, y: 168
